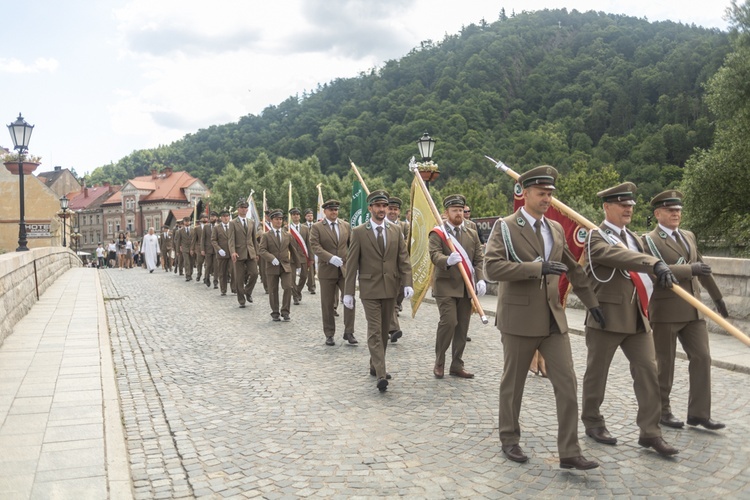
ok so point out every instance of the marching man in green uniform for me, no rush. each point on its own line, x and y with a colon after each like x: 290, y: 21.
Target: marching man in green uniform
x: 621, y: 286
x: 448, y: 286
x: 378, y: 258
x: 527, y: 253
x: 280, y: 261
x: 672, y: 318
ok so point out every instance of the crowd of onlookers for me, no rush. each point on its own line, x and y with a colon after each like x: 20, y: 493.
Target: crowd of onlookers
x: 122, y: 253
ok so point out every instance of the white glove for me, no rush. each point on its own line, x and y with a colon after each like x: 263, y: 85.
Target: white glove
x: 299, y: 270
x: 275, y: 262
x: 336, y: 261
x: 349, y: 301
x: 481, y: 288
x: 408, y: 292
x: 222, y: 252
x: 454, y: 258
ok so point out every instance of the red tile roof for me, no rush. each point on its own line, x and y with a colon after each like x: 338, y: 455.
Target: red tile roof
x: 163, y: 187
x: 80, y: 200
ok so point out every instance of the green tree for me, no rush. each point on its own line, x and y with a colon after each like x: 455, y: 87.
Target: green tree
x: 716, y: 179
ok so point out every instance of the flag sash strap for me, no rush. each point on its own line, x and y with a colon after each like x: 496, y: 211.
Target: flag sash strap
x: 509, y: 250
x: 298, y: 238
x: 465, y: 260
x: 655, y: 251
x: 639, y: 281
x: 268, y: 226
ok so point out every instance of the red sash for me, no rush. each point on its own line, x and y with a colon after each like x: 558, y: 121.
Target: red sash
x: 465, y: 261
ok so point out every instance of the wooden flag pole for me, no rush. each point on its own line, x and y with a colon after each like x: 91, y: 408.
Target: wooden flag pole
x: 584, y: 222
x: 359, y: 177
x: 438, y: 219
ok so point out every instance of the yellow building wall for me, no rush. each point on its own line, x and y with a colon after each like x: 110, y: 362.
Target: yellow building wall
x: 41, y: 207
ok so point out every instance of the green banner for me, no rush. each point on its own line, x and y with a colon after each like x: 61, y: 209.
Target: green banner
x: 359, y: 213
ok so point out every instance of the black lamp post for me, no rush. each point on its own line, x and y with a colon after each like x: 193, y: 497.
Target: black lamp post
x: 64, y: 215
x: 20, y: 132
x: 427, y: 169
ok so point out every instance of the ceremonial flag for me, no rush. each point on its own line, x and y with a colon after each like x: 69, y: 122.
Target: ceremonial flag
x: 320, y: 215
x: 266, y: 225
x: 291, y: 205
x: 253, y: 212
x: 359, y: 213
x: 575, y: 236
x: 422, y: 222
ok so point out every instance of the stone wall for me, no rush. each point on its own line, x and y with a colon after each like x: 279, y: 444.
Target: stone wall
x: 24, y: 276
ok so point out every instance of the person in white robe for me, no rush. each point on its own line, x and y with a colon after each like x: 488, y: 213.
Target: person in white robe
x: 150, y: 250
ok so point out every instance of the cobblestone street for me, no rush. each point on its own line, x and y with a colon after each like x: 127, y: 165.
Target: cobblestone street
x: 219, y: 401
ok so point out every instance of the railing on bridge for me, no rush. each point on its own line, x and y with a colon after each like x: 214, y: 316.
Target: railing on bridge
x: 24, y: 276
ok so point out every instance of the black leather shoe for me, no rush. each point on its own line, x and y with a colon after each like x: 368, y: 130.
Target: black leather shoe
x: 249, y: 298
x: 285, y: 317
x: 659, y: 445
x: 387, y: 375
x: 335, y: 313
x: 468, y: 339
x: 349, y: 337
x: 312, y: 292
x: 276, y: 318
x: 242, y: 306
x: 705, y: 422
x: 579, y: 463
x: 395, y: 335
x: 515, y: 453
x: 382, y: 384
x: 670, y: 421
x: 329, y: 341
x: 601, y: 435
x: 296, y: 302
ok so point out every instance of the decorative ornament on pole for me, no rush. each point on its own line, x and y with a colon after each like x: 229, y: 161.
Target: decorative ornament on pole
x: 426, y: 146
x: 20, y: 133
x: 64, y: 215
x: 428, y: 170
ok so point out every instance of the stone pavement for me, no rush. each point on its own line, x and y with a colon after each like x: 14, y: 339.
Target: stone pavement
x: 60, y: 429
x: 220, y: 402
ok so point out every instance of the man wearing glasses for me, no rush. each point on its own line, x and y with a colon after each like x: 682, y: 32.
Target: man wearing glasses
x: 467, y: 218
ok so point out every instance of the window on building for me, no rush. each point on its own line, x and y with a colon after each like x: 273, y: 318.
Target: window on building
x: 157, y: 222
x: 118, y: 229
x: 109, y: 227
x: 129, y: 223
x: 98, y: 219
x: 149, y: 223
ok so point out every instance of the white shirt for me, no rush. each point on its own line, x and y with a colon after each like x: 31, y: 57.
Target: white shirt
x: 546, y: 231
x: 375, y: 230
x: 617, y: 230
x: 334, y: 224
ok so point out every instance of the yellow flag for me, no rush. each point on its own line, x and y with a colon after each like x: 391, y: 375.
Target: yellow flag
x: 422, y: 222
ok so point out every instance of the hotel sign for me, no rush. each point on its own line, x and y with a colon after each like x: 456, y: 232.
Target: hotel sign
x: 38, y: 231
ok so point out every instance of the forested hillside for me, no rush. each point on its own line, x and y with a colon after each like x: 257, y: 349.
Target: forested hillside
x: 580, y: 91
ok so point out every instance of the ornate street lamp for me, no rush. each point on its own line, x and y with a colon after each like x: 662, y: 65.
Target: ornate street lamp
x: 20, y: 132
x: 64, y: 215
x: 428, y: 169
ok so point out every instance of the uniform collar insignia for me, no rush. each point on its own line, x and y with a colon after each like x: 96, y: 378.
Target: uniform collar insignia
x: 608, y: 231
x: 521, y: 221
x: 368, y: 225
x: 663, y: 234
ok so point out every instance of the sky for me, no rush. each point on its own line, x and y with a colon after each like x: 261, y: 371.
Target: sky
x: 100, y: 79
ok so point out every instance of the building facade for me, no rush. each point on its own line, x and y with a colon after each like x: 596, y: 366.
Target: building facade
x: 146, y: 201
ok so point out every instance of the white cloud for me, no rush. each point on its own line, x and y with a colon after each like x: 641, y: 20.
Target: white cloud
x: 40, y: 65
